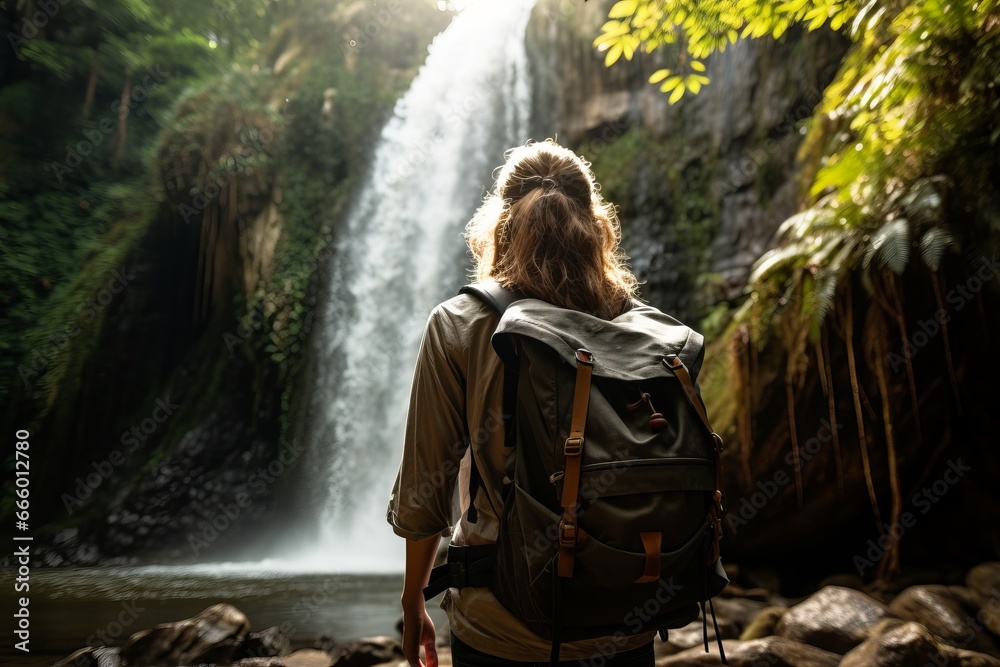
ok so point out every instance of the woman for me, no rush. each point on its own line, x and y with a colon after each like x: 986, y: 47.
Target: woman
x: 544, y: 232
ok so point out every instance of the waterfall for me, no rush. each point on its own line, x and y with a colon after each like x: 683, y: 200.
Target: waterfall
x: 401, y: 253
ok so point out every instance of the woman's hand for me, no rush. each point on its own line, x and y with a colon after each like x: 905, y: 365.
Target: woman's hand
x: 418, y: 630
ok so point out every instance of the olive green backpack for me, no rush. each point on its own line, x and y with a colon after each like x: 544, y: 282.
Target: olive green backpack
x: 612, y: 504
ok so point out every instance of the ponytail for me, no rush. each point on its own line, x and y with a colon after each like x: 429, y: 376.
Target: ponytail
x: 547, y: 233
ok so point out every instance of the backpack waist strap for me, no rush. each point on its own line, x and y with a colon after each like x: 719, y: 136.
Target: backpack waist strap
x: 467, y: 566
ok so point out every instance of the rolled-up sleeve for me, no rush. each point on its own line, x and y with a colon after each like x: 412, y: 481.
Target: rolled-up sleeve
x: 435, y: 437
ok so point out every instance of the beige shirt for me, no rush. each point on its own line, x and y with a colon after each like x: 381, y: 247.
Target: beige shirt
x: 456, y: 400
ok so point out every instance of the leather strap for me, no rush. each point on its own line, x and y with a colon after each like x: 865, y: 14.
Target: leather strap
x: 674, y: 363
x: 573, y: 450
x: 651, y: 545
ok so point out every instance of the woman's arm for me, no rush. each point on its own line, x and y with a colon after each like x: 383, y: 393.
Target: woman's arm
x: 418, y: 629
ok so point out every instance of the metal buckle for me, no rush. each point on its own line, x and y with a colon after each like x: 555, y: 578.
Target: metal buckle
x: 573, y: 447
x: 584, y: 357
x: 672, y: 361
x: 567, y: 534
x: 718, y: 442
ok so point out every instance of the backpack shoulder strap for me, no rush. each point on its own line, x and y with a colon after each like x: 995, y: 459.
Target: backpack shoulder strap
x: 493, y: 294
x: 499, y: 299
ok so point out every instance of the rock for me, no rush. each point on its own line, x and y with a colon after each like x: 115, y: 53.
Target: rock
x: 763, y: 624
x: 308, y: 657
x: 214, y: 635
x: 368, y: 651
x: 893, y: 643
x: 91, y: 657
x: 835, y: 619
x: 272, y: 661
x: 844, y: 580
x: 984, y: 582
x: 266, y: 643
x: 948, y: 612
x: 770, y: 651
x: 692, y: 634
x: 739, y: 610
x: 975, y: 659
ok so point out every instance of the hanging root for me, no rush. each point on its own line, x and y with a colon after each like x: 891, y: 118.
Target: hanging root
x: 827, y: 372
x: 890, y: 562
x: 947, y: 342
x: 901, y: 322
x: 862, y: 439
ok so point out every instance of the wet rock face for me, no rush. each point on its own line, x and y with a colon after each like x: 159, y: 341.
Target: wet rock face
x: 836, y: 619
x: 214, y: 635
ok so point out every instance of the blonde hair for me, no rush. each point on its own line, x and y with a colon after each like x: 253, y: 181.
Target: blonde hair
x: 546, y: 232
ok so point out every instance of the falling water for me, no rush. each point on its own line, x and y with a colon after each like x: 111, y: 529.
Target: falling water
x: 402, y: 254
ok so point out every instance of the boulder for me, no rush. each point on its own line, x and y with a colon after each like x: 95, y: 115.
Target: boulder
x: 763, y: 624
x: 984, y: 582
x: 897, y: 643
x: 770, y: 651
x: 834, y: 618
x: 91, y: 656
x: 692, y: 634
x: 368, y: 651
x: 214, y: 635
x: 740, y: 611
x: 948, y: 612
x: 308, y: 657
x: 268, y: 642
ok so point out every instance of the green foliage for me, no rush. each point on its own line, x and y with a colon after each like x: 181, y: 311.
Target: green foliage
x: 902, y: 153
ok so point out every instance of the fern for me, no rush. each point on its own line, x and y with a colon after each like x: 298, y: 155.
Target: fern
x: 890, y: 245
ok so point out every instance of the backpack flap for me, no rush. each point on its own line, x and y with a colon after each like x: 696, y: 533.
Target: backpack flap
x: 630, y: 347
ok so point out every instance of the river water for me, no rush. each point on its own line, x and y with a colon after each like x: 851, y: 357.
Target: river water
x: 73, y: 607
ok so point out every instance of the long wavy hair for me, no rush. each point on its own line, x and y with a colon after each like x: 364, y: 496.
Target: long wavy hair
x: 546, y: 232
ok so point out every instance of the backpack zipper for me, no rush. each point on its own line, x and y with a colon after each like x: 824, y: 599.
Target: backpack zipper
x: 628, y: 463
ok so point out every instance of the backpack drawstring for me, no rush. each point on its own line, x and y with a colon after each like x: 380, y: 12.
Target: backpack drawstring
x: 657, y: 421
